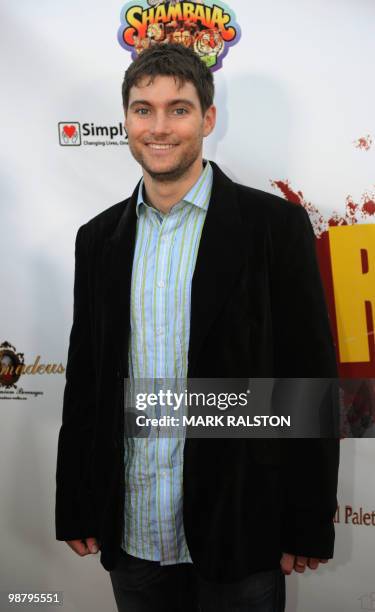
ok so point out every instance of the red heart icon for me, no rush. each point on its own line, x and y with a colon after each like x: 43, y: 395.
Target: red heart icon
x: 69, y: 130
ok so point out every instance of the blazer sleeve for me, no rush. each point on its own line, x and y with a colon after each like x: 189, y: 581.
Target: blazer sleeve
x: 304, y: 349
x: 74, y: 511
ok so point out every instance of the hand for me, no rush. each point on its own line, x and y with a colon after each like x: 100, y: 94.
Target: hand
x: 84, y: 547
x: 290, y: 562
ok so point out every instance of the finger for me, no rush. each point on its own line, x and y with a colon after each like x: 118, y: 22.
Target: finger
x: 79, y: 547
x: 92, y: 545
x: 300, y: 564
x: 287, y: 563
x: 323, y: 560
x: 313, y: 563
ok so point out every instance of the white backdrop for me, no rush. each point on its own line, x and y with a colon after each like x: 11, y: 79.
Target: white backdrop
x: 294, y: 97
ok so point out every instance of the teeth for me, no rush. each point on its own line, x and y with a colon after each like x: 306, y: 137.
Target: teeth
x: 157, y: 146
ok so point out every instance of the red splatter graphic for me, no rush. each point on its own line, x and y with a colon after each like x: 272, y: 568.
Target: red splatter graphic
x: 319, y: 224
x: 292, y: 196
x: 369, y: 206
x: 354, y: 213
x: 364, y: 143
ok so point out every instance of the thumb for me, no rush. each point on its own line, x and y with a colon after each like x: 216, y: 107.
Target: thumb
x: 92, y: 545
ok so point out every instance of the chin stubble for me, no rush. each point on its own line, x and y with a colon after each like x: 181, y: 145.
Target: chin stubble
x: 169, y: 175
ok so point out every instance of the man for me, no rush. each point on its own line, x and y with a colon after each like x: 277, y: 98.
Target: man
x: 193, y: 276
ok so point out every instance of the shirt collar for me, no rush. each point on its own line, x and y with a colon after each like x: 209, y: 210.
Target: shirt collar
x: 199, y: 194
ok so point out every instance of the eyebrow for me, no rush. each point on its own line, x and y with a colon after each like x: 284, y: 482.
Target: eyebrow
x: 170, y: 103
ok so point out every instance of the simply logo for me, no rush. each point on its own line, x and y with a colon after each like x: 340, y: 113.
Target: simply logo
x: 208, y: 27
x: 69, y: 134
x: 74, y: 134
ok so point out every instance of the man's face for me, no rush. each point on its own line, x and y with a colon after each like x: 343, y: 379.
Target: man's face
x: 165, y: 126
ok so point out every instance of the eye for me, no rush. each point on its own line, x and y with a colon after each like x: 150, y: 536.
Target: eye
x: 141, y: 111
x: 180, y: 111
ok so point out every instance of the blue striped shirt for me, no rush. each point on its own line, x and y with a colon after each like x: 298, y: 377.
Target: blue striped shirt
x: 164, y: 260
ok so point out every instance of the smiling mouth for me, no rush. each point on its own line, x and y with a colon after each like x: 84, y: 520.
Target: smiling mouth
x: 161, y: 147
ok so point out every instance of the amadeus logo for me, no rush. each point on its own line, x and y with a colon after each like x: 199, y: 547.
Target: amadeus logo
x: 74, y: 134
x: 12, y: 367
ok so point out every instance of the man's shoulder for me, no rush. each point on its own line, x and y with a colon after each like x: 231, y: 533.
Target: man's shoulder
x: 265, y: 204
x: 104, y: 223
x: 255, y: 205
x: 271, y: 212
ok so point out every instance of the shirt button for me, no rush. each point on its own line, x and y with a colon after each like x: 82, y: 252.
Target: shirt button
x: 159, y: 330
x: 161, y: 284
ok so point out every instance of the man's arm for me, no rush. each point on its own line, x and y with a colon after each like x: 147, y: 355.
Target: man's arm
x: 304, y: 349
x: 74, y: 511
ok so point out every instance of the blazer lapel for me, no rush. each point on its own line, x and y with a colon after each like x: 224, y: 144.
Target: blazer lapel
x: 221, y: 255
x: 118, y: 269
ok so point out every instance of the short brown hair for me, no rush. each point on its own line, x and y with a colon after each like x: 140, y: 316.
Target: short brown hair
x: 171, y: 59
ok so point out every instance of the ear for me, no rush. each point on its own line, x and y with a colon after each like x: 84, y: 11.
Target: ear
x: 209, y: 120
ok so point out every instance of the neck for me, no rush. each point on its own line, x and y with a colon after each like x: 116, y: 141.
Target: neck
x: 165, y: 194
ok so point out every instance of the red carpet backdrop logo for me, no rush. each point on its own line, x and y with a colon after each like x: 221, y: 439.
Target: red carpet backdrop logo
x: 69, y: 134
x: 346, y: 252
x: 11, y: 363
x: 355, y: 516
x: 13, y: 366
x: 345, y: 246
x: 74, y: 133
x: 208, y: 27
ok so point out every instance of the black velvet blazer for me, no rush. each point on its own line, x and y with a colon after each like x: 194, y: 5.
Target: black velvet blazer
x: 257, y: 310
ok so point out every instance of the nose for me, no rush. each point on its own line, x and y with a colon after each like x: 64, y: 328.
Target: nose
x: 160, y: 124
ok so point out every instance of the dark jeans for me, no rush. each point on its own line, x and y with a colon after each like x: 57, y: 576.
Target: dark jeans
x: 147, y: 586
